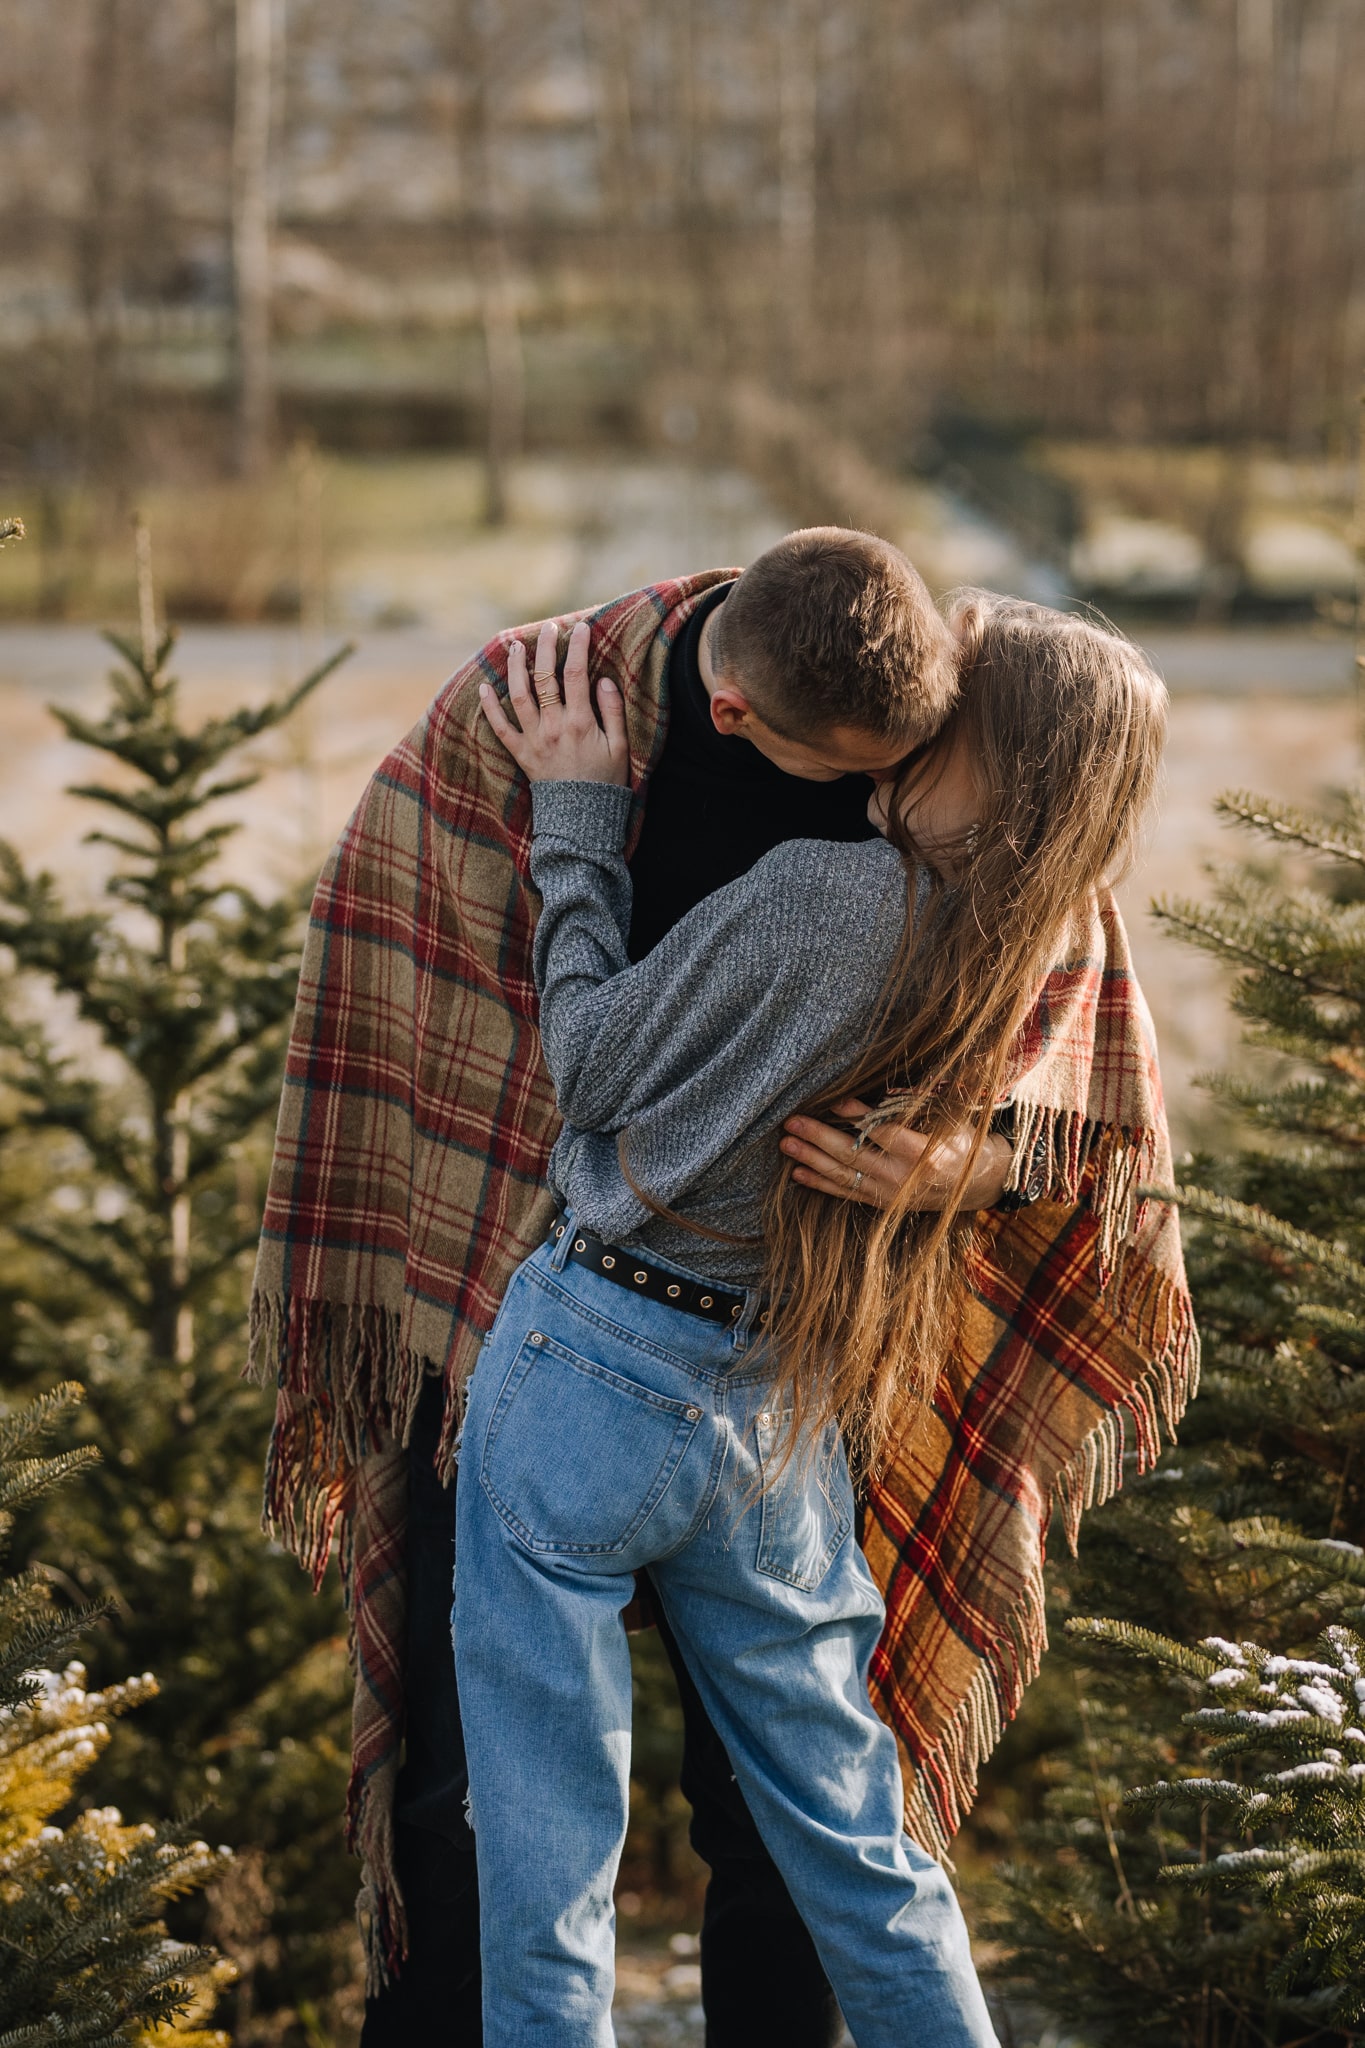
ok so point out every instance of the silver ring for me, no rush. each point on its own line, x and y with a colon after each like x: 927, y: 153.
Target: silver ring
x: 856, y: 1178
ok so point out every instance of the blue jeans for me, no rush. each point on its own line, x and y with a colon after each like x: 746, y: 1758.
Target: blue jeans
x: 605, y: 1435
x: 437, y: 1997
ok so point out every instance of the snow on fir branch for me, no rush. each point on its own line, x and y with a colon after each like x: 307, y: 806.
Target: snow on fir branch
x: 1286, y: 1735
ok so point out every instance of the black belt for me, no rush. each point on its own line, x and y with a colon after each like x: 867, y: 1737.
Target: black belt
x: 627, y: 1269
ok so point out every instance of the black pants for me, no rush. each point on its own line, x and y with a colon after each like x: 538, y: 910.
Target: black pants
x: 762, y: 1983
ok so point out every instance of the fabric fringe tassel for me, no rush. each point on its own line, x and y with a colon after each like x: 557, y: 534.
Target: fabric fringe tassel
x: 347, y: 1393
x: 347, y: 1385
x: 941, y: 1787
x: 1100, y: 1165
x: 379, y: 1910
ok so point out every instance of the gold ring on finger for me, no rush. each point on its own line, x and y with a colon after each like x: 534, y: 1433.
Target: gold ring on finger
x: 547, y: 689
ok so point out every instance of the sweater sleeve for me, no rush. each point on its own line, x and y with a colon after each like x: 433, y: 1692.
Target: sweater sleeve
x: 725, y: 1007
x: 579, y: 954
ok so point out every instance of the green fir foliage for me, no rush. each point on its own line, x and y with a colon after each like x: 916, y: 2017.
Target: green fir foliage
x: 85, y: 1957
x: 1222, y: 1906
x: 141, y: 1043
x: 1288, y: 1757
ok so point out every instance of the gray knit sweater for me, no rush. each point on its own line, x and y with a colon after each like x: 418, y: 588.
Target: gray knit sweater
x: 759, y: 995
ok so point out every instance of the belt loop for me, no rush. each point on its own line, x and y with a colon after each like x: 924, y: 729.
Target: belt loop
x: 742, y: 1331
x: 561, y: 1240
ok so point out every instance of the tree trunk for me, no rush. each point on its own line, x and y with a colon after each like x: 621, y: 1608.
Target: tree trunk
x: 99, y: 235
x: 796, y: 77
x: 251, y: 233
x: 506, y: 381
x: 1255, y: 57
x: 504, y: 377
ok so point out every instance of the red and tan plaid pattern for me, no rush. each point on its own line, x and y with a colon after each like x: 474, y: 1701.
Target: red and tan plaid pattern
x: 409, y: 1173
x: 408, y: 1183
x: 1078, y: 1319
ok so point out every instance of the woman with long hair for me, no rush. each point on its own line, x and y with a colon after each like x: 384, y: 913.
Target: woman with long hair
x: 673, y: 1380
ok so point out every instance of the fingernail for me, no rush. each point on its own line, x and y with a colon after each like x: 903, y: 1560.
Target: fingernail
x: 607, y: 684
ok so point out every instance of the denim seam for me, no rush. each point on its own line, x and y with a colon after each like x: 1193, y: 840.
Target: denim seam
x: 808, y: 1581
x: 708, y: 1498
x: 555, y: 1347
x: 805, y: 1582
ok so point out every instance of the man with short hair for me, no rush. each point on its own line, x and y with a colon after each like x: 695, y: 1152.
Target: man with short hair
x: 758, y: 706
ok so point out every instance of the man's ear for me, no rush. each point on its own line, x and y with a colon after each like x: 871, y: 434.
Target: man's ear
x: 731, y: 710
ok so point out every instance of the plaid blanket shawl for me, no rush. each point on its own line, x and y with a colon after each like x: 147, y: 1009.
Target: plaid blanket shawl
x: 408, y: 1182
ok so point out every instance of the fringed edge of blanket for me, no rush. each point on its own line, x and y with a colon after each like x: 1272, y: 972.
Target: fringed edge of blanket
x: 379, y: 1909
x: 347, y: 1388
x: 1155, y: 1312
x: 1054, y: 1148
x: 346, y: 1383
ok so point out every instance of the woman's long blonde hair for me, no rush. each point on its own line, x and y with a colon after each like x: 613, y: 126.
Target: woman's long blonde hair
x: 1064, y: 722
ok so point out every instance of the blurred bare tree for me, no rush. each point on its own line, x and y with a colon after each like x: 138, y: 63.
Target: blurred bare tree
x: 1146, y: 219
x: 488, y: 50
x: 255, y: 53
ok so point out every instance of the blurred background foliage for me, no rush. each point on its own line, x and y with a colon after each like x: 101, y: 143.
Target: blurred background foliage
x: 971, y: 243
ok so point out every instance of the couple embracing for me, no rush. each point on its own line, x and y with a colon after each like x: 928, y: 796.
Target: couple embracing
x: 715, y: 1126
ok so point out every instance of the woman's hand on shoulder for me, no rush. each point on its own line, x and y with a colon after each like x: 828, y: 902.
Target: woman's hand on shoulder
x: 873, y: 1171
x: 558, y: 736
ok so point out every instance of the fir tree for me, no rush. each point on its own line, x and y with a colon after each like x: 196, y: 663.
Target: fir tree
x: 1222, y: 1542
x: 84, y: 1954
x: 1288, y: 1797
x: 141, y: 1104
x: 1291, y: 1728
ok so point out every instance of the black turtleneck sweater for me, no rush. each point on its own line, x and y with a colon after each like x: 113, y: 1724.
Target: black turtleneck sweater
x: 715, y: 805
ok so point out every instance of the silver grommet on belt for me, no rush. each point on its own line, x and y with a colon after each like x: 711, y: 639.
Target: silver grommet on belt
x: 705, y: 1301
x: 640, y: 1279
x: 737, y: 1308
x: 764, y: 1317
x: 580, y: 1244
x: 674, y: 1292
x: 607, y: 1262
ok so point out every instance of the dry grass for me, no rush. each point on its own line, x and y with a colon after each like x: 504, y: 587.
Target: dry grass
x: 1216, y: 494
x: 231, y: 551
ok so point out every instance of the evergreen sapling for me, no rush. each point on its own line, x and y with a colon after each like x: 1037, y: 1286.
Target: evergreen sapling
x: 85, y: 1958
x: 1205, y: 1916
x: 137, y: 1107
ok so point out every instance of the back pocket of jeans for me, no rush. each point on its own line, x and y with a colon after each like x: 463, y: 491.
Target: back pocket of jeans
x: 807, y: 1506
x: 577, y: 1458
